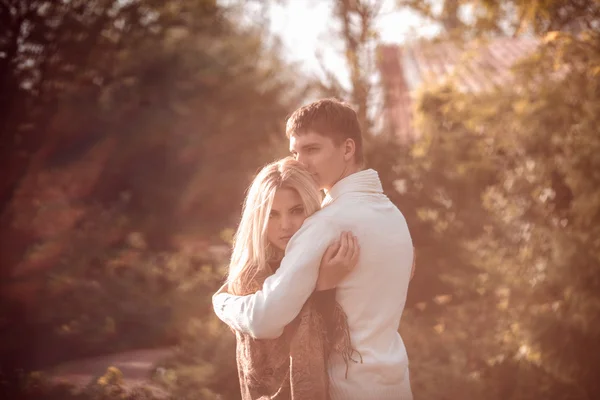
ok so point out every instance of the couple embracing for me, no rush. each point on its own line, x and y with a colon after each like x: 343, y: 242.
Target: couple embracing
x: 316, y: 287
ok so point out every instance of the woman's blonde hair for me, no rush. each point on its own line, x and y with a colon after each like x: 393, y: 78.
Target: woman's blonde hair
x: 249, y: 264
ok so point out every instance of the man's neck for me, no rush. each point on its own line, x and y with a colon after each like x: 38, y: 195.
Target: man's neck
x: 349, y: 170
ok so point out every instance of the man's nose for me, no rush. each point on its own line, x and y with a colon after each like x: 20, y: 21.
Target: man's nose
x: 301, y: 158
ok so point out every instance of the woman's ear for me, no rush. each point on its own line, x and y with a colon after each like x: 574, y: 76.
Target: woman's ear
x: 349, y: 149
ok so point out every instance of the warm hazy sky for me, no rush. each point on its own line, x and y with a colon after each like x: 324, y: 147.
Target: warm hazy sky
x: 307, y: 27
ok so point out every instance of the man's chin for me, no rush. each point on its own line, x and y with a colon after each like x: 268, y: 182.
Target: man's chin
x: 316, y: 180
x: 320, y: 184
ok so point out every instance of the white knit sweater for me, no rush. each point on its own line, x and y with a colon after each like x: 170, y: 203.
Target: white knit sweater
x: 373, y: 295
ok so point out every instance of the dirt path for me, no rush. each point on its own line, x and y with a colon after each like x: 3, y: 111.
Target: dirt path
x: 137, y: 367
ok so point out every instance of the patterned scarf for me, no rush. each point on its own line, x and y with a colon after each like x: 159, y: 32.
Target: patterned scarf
x: 294, y: 366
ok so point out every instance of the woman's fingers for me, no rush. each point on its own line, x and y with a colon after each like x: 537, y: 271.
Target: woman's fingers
x: 343, y: 246
x: 351, y: 248
x: 356, y: 252
x: 343, y: 251
x: 332, y: 250
x: 346, y: 256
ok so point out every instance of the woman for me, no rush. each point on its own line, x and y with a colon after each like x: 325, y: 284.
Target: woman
x: 280, y: 198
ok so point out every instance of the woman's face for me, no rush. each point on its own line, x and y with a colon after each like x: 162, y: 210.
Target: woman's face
x: 287, y: 215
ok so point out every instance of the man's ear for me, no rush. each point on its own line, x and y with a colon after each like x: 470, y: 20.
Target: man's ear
x: 349, y: 149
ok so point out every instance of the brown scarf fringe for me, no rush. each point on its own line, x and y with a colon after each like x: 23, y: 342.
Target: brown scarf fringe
x: 294, y: 366
x: 341, y: 337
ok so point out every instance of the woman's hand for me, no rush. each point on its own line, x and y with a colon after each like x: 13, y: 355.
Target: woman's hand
x: 339, y: 260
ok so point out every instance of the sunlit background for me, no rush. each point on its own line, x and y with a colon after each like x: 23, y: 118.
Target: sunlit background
x: 130, y: 131
x: 307, y: 31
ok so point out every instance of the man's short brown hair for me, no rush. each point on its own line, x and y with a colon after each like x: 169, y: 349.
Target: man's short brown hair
x: 330, y: 118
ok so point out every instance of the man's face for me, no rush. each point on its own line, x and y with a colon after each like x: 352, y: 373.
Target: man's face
x: 321, y: 156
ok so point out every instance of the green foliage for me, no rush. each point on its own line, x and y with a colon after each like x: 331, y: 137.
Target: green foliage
x: 468, y: 19
x: 204, y: 363
x: 133, y: 130
x: 508, y: 181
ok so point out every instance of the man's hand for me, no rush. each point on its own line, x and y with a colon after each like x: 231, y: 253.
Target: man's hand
x: 339, y: 260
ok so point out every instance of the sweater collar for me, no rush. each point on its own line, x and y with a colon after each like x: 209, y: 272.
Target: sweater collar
x: 366, y: 181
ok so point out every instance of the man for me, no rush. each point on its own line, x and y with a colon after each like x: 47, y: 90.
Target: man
x: 326, y: 137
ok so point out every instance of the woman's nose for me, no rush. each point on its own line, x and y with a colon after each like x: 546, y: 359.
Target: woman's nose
x: 286, y: 223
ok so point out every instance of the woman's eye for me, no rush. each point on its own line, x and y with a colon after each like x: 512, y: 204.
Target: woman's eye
x: 298, y: 211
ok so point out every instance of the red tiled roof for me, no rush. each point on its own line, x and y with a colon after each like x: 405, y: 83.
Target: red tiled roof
x: 474, y: 67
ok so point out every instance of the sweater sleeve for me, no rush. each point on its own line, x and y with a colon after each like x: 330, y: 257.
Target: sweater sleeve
x: 264, y: 314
